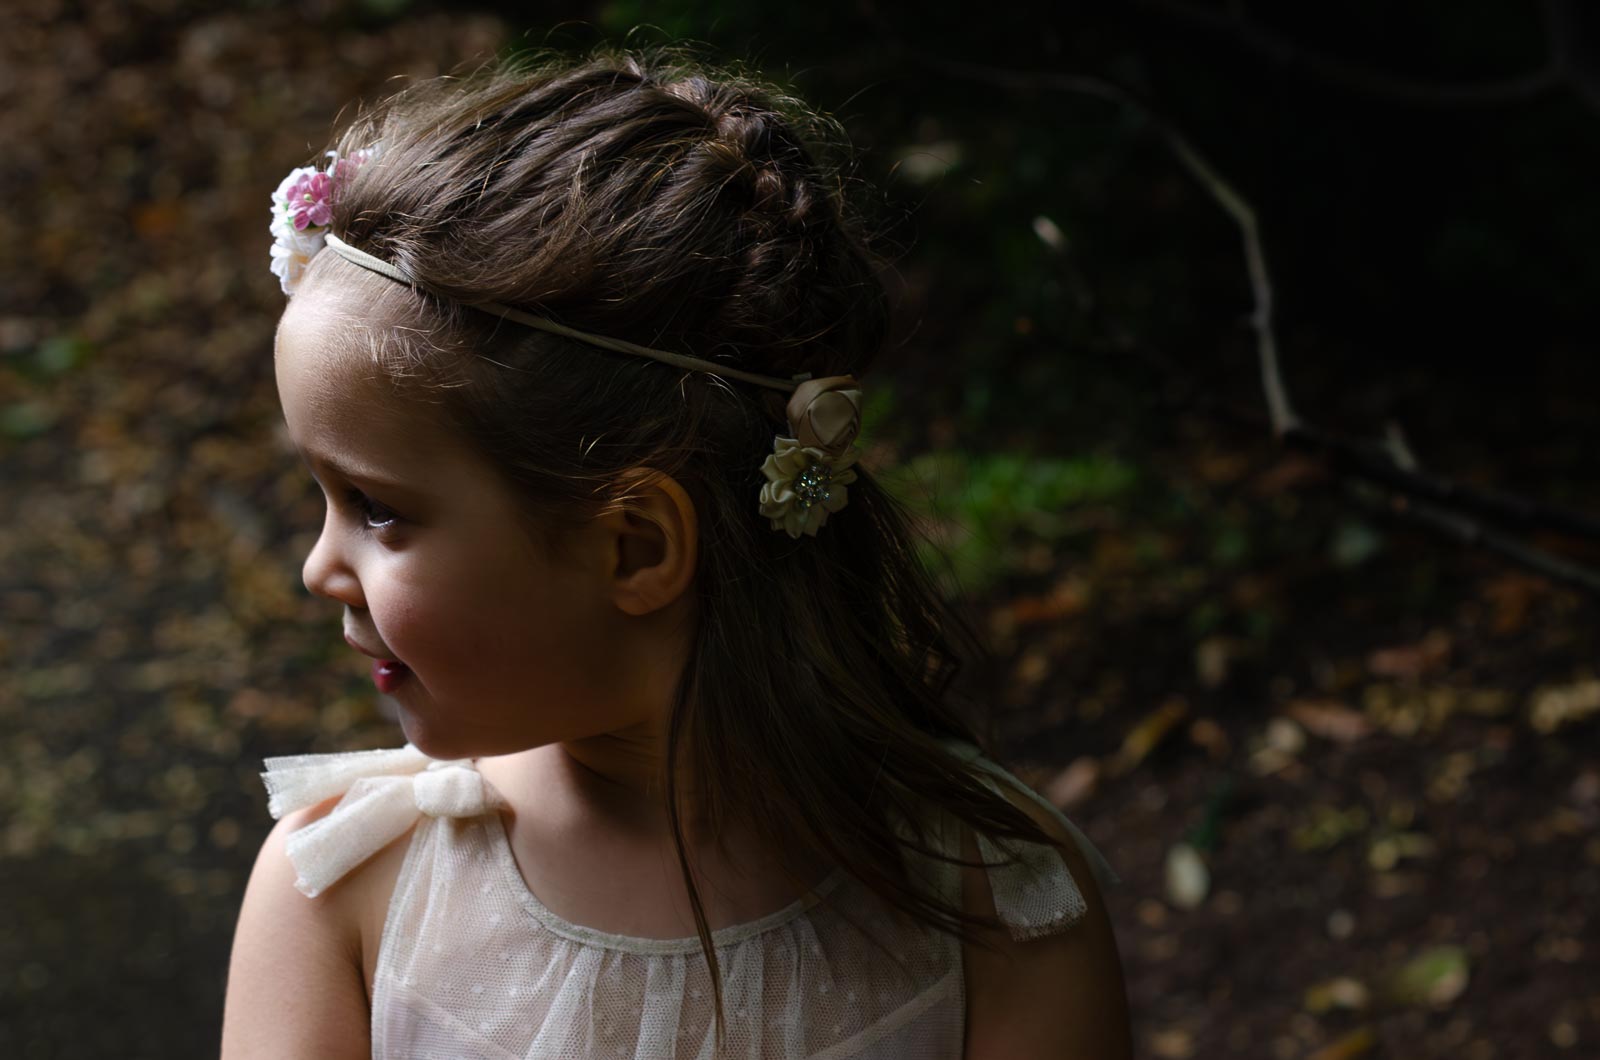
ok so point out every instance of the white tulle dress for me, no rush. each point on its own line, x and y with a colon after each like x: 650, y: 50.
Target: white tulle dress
x: 472, y: 966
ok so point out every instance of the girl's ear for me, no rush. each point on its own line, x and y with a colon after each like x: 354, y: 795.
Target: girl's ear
x: 651, y: 542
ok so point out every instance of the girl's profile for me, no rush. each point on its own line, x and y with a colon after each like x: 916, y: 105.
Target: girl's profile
x: 576, y: 350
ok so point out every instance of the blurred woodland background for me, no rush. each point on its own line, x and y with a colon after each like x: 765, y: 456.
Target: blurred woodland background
x: 1317, y: 675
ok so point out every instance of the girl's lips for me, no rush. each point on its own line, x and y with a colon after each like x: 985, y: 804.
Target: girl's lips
x: 388, y: 674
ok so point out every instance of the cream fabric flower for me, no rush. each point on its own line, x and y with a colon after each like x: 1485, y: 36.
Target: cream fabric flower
x: 804, y: 485
x: 290, y: 256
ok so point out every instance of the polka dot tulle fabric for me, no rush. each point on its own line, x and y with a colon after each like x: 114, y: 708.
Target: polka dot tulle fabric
x: 472, y: 966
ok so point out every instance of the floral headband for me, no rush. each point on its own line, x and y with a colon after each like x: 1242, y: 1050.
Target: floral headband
x: 302, y: 210
x: 808, y: 470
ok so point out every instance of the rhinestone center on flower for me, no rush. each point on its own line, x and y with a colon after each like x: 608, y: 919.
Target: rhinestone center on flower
x: 811, y: 484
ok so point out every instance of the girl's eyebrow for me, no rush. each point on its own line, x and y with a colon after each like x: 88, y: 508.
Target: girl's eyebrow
x: 349, y: 471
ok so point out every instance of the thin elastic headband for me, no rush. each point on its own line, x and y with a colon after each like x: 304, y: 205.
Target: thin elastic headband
x: 378, y: 265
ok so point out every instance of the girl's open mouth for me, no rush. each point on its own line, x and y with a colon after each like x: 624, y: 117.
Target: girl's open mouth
x: 388, y: 674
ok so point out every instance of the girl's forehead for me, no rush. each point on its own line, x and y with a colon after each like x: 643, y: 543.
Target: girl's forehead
x: 339, y: 403
x: 317, y: 365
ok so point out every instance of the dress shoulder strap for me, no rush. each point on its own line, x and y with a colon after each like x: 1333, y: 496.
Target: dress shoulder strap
x: 1034, y: 892
x: 384, y: 793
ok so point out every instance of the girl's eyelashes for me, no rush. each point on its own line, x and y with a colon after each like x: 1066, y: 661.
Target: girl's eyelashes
x: 376, y: 517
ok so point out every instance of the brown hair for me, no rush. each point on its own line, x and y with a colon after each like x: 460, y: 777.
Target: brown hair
x: 646, y: 197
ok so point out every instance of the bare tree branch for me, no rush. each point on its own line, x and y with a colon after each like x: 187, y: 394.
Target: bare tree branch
x: 1435, y: 502
x: 1506, y: 509
x: 1466, y: 531
x: 1284, y: 418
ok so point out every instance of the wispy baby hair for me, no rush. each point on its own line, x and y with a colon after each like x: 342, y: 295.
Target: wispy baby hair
x: 648, y: 197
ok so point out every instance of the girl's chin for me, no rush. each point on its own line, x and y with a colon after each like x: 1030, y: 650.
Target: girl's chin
x: 447, y: 746
x: 442, y: 745
x: 425, y: 738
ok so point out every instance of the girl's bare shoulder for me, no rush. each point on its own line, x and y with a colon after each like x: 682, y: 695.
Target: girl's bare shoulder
x: 357, y: 905
x: 1060, y: 995
x: 299, y: 980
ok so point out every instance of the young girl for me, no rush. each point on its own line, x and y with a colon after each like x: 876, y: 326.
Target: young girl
x: 573, y: 352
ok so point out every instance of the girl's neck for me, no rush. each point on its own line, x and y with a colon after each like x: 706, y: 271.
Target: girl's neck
x: 618, y: 778
x: 621, y: 771
x: 586, y: 839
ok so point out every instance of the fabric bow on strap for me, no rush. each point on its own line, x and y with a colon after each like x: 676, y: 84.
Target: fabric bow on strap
x: 385, y: 792
x: 1034, y: 893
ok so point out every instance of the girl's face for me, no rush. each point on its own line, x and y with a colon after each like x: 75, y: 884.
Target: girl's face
x: 504, y: 648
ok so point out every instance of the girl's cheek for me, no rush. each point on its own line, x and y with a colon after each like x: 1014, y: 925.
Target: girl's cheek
x: 401, y: 617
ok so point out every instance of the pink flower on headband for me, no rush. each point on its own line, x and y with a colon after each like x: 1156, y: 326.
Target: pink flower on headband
x: 310, y: 199
x: 302, y: 210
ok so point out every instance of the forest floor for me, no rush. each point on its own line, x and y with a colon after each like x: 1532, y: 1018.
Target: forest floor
x: 1347, y: 771
x: 1395, y: 800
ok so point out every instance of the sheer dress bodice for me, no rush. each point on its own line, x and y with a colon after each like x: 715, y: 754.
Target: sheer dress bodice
x: 472, y: 966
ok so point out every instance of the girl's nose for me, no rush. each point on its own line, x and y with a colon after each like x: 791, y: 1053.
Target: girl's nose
x: 326, y: 572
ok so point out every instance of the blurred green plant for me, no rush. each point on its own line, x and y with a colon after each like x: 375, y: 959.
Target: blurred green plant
x: 51, y: 359
x: 982, y: 510
x: 1354, y: 541
x: 25, y: 419
x: 60, y: 354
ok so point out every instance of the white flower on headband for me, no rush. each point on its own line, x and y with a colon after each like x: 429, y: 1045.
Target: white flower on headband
x: 804, y: 485
x: 302, y: 210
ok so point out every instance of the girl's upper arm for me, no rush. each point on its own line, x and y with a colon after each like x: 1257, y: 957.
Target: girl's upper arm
x: 1059, y: 996
x: 295, y: 984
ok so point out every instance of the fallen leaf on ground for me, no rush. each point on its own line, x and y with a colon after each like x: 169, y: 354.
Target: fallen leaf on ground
x: 1188, y: 879
x: 1554, y: 707
x: 1286, y: 736
x: 1212, y: 658
x: 1356, y: 1043
x: 1269, y: 760
x: 1073, y: 784
x: 1174, y: 1043
x: 1144, y: 736
x: 1433, y: 977
x: 1069, y: 597
x: 1411, y: 661
x: 1386, y: 852
x: 1279, y: 745
x: 1208, y: 734
x: 1328, y: 826
x: 1330, y: 720
x: 1341, y: 992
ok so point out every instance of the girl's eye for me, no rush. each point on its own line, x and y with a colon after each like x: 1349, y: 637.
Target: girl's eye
x: 377, y: 516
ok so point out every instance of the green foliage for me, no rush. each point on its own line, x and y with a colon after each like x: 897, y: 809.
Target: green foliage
x: 26, y: 419
x: 982, y: 510
x: 52, y: 358
x: 1353, y: 543
x: 877, y: 412
x: 1231, y: 546
x: 60, y: 354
